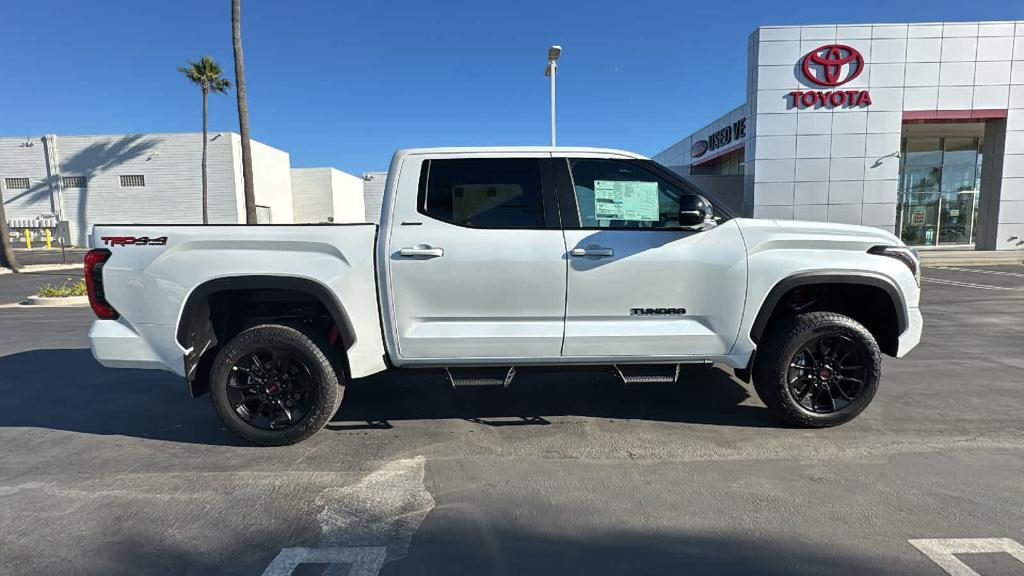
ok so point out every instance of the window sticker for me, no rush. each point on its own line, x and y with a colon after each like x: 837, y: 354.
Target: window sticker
x: 626, y: 200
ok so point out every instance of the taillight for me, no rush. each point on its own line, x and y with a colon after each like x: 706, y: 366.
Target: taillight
x: 94, y: 260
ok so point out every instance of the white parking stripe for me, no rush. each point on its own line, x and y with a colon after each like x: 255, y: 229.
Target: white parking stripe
x: 942, y: 550
x: 361, y: 560
x: 963, y: 284
x: 993, y: 272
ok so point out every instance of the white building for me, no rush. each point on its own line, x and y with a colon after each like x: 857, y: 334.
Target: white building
x: 326, y: 195
x: 373, y: 194
x: 914, y: 128
x: 138, y: 178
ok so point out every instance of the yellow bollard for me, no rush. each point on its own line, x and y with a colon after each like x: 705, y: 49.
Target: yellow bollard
x: 28, y: 240
x: 49, y: 239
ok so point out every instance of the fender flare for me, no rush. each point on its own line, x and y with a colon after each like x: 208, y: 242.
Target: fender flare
x: 828, y: 277
x: 196, y: 313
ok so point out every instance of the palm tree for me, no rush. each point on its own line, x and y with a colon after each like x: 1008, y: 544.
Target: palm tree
x: 206, y: 74
x: 243, y: 113
x: 6, y: 251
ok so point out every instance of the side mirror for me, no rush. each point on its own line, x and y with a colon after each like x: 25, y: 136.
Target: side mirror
x: 694, y: 211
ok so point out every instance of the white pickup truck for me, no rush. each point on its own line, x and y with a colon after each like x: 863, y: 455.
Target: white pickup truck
x: 491, y: 258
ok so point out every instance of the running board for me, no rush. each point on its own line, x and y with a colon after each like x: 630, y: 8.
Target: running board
x: 648, y: 373
x: 484, y: 376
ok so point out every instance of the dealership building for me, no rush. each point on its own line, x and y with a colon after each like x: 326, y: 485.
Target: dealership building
x: 914, y: 128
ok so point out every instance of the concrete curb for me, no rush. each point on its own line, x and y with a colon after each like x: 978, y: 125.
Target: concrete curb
x: 42, y: 268
x: 41, y: 301
x: 976, y: 261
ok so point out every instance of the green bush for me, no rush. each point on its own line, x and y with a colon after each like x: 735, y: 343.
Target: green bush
x: 69, y: 288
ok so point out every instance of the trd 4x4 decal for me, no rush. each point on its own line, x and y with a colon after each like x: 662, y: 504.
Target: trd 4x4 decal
x: 134, y: 241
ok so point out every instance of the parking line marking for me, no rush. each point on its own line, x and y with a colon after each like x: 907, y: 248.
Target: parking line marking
x: 362, y: 560
x: 942, y: 550
x: 975, y: 270
x: 963, y: 284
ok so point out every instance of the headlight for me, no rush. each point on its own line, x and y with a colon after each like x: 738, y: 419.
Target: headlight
x: 904, y: 254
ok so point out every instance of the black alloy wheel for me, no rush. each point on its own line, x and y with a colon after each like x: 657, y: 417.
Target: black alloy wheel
x: 271, y: 389
x: 276, y: 385
x: 827, y: 373
x: 817, y: 369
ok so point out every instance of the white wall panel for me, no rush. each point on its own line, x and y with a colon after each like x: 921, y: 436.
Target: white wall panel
x: 811, y: 212
x: 990, y: 73
x: 956, y: 97
x: 922, y: 74
x: 850, y: 122
x: 775, y: 193
x: 889, y: 50
x: 924, y: 49
x: 991, y: 96
x: 995, y: 48
x: 886, y: 74
x: 957, y: 73
x: 807, y: 123
x: 921, y: 98
x: 813, y: 146
x: 811, y: 193
x: 848, y: 145
x: 844, y: 213
x: 846, y: 169
x: 882, y: 215
x: 876, y: 191
x: 959, y: 49
x: 847, y: 192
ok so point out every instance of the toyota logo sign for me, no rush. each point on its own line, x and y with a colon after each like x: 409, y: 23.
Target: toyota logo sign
x: 699, y: 148
x: 833, y: 65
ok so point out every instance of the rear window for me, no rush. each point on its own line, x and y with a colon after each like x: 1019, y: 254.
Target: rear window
x: 483, y: 192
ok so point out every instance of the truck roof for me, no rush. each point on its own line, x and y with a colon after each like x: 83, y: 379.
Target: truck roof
x: 518, y: 149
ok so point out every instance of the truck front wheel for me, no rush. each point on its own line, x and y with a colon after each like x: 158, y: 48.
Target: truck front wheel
x: 817, y: 369
x: 275, y: 385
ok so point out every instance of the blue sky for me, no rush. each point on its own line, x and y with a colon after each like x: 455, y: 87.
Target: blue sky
x: 346, y: 83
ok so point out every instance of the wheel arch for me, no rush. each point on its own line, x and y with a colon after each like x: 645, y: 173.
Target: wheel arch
x: 195, y: 326
x: 805, y: 279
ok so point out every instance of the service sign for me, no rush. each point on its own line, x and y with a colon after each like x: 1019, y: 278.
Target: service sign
x: 830, y: 66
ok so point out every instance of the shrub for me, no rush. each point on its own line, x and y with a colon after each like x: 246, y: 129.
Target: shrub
x: 69, y: 288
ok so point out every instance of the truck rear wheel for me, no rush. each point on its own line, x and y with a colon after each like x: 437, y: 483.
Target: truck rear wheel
x: 817, y: 369
x: 274, y: 385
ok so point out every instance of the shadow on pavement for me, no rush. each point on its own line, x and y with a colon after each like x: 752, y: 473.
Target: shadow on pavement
x: 67, y: 390
x: 703, y: 395
x: 482, y: 550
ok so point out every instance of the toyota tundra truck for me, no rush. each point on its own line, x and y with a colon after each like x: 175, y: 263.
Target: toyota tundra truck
x: 489, y: 259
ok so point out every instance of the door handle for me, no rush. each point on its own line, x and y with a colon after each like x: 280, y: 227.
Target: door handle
x: 600, y: 252
x: 422, y: 251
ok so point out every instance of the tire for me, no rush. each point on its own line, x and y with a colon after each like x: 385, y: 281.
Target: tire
x: 794, y: 376
x: 292, y: 387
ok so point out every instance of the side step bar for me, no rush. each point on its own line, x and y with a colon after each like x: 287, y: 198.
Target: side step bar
x: 648, y: 374
x: 485, y: 376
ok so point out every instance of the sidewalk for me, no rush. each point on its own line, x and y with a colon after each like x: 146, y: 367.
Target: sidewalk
x: 971, y: 257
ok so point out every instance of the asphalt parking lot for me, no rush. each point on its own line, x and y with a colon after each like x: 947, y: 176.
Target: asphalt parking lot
x: 119, y: 472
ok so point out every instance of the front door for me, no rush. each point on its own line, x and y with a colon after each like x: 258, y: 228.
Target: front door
x: 476, y: 260
x: 639, y: 287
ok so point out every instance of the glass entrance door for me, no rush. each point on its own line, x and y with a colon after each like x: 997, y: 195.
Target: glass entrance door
x: 939, y: 186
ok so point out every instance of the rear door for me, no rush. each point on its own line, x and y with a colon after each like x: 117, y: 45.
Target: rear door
x: 640, y: 287
x: 477, y: 260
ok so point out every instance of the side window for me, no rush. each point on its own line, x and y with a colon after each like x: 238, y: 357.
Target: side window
x: 619, y: 194
x: 483, y: 192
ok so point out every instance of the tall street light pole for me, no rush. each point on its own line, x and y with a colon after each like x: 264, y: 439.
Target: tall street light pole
x: 553, y: 53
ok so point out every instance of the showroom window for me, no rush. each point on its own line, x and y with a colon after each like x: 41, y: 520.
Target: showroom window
x: 483, y: 192
x: 940, y: 183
